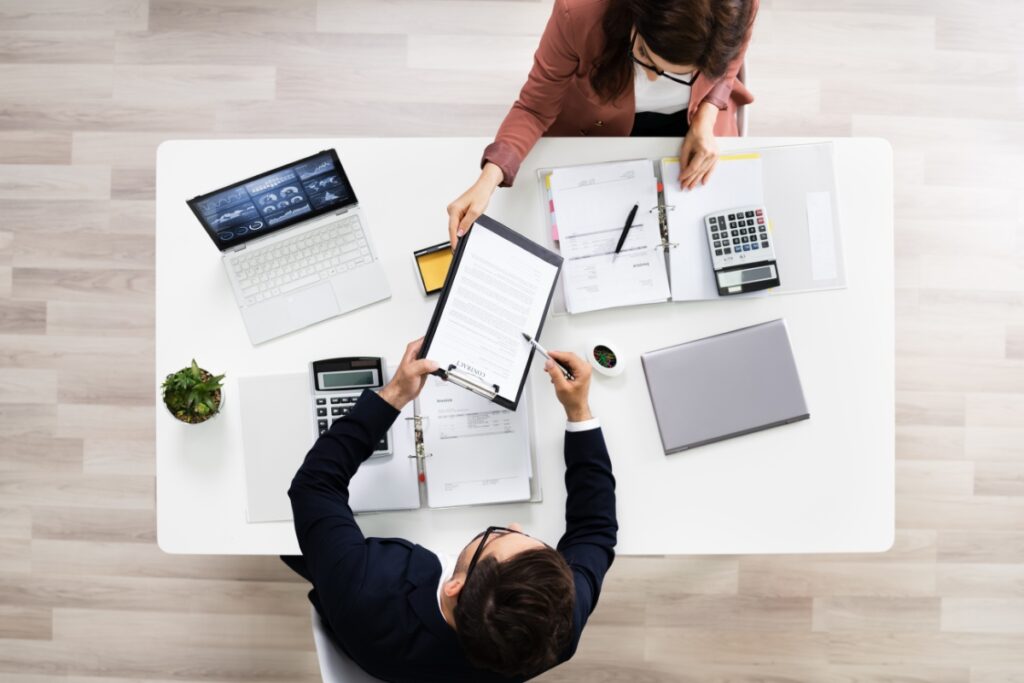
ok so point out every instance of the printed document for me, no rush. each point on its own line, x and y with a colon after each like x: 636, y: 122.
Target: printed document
x: 476, y: 452
x: 501, y: 290
x: 592, y: 204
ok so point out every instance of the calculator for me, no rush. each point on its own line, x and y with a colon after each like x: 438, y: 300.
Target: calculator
x: 336, y: 384
x: 742, y: 250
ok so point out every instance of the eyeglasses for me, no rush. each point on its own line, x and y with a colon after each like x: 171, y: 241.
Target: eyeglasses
x: 491, y: 531
x: 651, y: 67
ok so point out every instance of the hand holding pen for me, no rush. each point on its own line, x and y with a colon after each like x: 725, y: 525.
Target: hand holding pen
x: 572, y: 394
x: 540, y: 349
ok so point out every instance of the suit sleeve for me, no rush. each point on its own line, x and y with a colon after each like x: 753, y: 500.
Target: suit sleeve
x: 540, y: 101
x: 588, y: 544
x: 333, y: 547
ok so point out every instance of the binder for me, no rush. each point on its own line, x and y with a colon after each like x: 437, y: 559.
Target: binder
x: 421, y: 442
x: 797, y: 185
x: 460, y: 371
x: 404, y: 480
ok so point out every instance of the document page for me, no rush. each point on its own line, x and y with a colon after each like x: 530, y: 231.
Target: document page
x: 737, y: 181
x: 592, y: 204
x: 476, y: 452
x: 500, y: 291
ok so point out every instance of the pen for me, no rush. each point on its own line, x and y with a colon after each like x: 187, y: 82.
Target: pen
x: 535, y: 344
x: 625, y: 230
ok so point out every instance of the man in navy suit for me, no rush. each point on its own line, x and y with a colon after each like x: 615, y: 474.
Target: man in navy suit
x: 506, y: 609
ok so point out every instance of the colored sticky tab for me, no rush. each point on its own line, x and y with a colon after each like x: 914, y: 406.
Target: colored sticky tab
x: 739, y: 157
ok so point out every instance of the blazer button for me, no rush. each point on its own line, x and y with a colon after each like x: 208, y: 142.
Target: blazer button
x: 599, y: 123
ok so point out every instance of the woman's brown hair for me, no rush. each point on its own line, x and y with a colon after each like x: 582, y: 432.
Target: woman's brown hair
x: 705, y: 33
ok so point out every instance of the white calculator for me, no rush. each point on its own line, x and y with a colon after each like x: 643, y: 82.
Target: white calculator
x: 742, y: 250
x: 335, y: 386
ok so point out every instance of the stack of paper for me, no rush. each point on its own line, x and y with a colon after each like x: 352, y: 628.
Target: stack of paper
x: 592, y: 204
x: 476, y: 452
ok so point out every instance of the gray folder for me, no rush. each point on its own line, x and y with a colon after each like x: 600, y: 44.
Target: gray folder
x: 723, y: 386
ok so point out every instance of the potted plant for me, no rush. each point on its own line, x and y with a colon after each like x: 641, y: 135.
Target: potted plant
x: 192, y: 394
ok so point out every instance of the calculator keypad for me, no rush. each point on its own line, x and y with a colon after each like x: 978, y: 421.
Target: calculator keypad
x: 739, y: 236
x: 339, y: 407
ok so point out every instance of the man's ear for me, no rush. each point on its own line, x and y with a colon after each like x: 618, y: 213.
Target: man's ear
x: 452, y: 587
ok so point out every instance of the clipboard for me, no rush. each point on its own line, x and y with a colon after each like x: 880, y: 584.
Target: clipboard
x: 453, y: 373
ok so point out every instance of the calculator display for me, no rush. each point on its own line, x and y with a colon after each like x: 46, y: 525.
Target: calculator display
x: 347, y: 379
x: 756, y: 274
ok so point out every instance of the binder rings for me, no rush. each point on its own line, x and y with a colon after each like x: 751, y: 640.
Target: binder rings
x: 499, y: 285
x: 450, y: 448
x: 467, y: 450
x: 797, y: 185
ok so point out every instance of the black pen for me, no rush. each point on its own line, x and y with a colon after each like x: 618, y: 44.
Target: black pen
x: 536, y: 344
x: 625, y: 230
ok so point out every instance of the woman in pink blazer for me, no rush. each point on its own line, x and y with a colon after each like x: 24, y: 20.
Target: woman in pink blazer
x: 624, y: 67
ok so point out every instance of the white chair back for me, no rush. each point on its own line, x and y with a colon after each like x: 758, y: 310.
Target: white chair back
x: 335, y: 665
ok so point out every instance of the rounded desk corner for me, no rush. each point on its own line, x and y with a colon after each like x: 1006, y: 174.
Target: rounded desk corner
x: 887, y: 543
x: 164, y: 547
x: 166, y: 147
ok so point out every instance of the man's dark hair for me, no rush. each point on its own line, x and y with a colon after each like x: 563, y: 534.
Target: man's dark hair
x: 515, y: 617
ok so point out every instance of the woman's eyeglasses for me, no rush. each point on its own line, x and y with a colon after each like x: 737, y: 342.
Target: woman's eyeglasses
x: 656, y: 70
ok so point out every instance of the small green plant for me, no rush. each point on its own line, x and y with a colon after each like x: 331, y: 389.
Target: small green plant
x: 192, y: 394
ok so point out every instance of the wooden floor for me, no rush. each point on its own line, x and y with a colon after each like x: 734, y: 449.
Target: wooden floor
x: 91, y: 88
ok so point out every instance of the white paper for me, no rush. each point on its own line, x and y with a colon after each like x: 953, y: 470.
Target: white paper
x: 598, y: 197
x: 633, y: 277
x: 822, y: 236
x: 477, y: 452
x: 734, y: 182
x: 501, y: 291
x: 592, y: 204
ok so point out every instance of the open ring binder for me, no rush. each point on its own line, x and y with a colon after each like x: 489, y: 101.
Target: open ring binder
x: 417, y: 426
x: 453, y: 375
x: 662, y: 210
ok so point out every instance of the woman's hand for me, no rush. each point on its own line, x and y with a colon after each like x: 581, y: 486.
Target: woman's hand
x: 699, y: 153
x: 464, y: 211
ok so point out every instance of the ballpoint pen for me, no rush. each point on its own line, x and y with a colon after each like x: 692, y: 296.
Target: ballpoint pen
x: 535, y: 344
x: 625, y: 230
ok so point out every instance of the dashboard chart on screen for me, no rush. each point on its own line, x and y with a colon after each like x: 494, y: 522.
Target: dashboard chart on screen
x: 274, y: 199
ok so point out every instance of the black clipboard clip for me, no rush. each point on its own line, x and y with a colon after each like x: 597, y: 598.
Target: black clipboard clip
x: 453, y: 375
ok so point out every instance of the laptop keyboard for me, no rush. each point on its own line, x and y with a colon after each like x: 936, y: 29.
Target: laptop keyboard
x: 290, y: 264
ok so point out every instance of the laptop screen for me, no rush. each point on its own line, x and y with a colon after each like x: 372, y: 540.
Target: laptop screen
x: 274, y: 200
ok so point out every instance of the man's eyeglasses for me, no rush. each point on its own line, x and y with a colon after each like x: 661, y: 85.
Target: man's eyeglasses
x: 483, y: 536
x: 651, y: 67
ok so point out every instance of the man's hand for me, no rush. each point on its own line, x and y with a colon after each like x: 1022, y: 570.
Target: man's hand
x: 410, y: 377
x: 571, y: 393
x: 699, y: 152
x: 464, y: 211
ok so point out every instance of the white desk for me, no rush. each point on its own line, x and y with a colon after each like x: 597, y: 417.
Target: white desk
x: 822, y: 485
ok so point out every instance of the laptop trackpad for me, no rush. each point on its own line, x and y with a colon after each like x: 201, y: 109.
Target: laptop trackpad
x: 311, y: 305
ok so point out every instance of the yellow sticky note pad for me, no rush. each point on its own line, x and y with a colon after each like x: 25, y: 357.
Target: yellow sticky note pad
x: 433, y: 263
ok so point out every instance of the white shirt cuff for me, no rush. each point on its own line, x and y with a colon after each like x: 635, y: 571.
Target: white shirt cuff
x: 584, y: 426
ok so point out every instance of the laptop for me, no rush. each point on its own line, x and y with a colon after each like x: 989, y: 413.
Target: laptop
x: 724, y: 386
x: 295, y: 245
